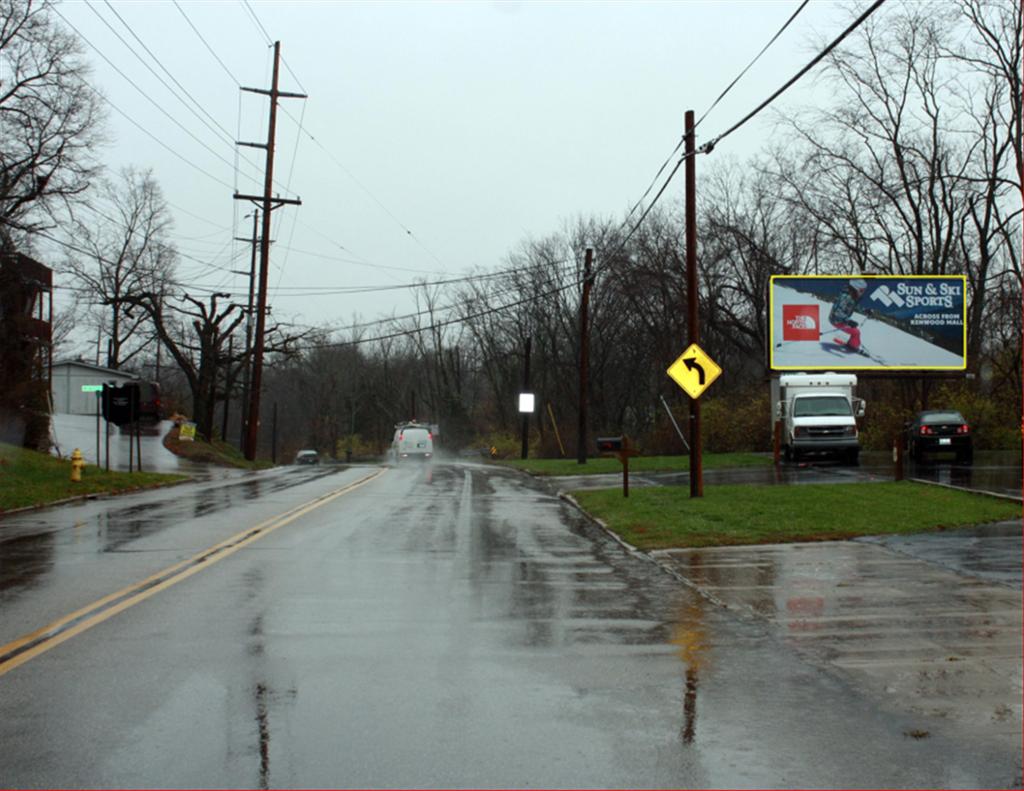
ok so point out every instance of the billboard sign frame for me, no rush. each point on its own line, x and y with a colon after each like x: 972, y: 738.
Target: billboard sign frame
x: 899, y: 323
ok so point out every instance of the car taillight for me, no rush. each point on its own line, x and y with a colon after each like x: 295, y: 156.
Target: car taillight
x: 964, y: 429
x: 401, y: 436
x: 430, y: 436
x: 926, y: 430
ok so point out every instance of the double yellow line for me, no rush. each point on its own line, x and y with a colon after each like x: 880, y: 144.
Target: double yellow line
x: 31, y: 645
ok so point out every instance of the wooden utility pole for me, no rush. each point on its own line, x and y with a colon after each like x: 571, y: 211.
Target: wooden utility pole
x: 229, y: 382
x: 242, y: 421
x: 581, y: 434
x: 268, y: 203
x: 696, y: 464
x: 526, y: 389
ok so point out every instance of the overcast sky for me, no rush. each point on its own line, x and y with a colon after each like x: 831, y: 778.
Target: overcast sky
x: 437, y: 136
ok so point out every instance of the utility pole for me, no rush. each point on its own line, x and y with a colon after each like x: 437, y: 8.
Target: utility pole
x: 228, y: 382
x: 696, y: 464
x: 243, y: 423
x: 269, y: 203
x: 526, y: 389
x: 588, y: 280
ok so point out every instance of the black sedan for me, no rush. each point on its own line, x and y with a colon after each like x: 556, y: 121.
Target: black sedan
x: 940, y: 431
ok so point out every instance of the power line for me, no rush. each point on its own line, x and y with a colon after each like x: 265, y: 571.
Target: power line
x: 707, y: 147
x: 149, y: 98
x: 313, y: 291
x: 256, y: 19
x: 206, y: 44
x: 441, y: 324
x: 756, y: 58
x: 220, y: 130
x: 712, y: 107
x: 364, y: 188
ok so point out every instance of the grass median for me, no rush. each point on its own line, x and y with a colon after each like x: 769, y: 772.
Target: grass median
x: 666, y: 516
x: 610, y: 464
x: 29, y: 478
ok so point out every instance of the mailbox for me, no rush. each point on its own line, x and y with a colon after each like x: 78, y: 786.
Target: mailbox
x: 610, y: 444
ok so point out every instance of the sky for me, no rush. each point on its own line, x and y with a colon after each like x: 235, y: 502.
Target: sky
x: 436, y: 137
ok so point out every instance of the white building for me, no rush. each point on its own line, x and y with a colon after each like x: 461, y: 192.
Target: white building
x: 68, y: 377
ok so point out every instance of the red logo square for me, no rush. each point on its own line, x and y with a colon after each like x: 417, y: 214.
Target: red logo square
x: 800, y: 323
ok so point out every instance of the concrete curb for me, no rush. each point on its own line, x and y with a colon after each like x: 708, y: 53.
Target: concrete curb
x: 980, y: 492
x: 644, y: 554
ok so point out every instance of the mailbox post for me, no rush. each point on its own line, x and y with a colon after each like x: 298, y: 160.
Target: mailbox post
x: 622, y: 449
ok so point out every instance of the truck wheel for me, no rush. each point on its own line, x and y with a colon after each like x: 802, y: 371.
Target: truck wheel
x: 853, y: 458
x: 965, y: 457
x: 787, y: 453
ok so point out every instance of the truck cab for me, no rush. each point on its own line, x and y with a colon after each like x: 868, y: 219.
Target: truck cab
x: 818, y: 415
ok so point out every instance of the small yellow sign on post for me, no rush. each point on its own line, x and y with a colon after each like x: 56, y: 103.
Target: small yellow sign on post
x: 694, y: 371
x: 187, y: 432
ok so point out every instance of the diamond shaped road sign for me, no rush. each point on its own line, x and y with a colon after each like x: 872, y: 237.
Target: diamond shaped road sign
x: 694, y: 371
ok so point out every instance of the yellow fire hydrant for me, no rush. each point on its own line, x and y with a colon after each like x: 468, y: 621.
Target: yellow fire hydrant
x: 77, y: 465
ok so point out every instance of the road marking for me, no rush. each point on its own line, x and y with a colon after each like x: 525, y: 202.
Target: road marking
x: 31, y: 645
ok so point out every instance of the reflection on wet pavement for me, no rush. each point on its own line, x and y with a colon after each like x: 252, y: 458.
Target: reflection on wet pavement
x: 457, y: 626
x: 918, y: 636
x: 33, y: 543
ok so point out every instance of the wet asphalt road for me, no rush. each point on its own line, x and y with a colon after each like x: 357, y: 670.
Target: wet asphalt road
x: 460, y: 625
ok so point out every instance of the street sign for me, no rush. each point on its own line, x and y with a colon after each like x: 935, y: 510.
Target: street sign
x: 187, y: 432
x: 92, y: 388
x: 694, y: 371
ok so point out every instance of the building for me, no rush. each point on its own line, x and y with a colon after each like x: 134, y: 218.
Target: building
x: 67, y: 377
x: 26, y: 308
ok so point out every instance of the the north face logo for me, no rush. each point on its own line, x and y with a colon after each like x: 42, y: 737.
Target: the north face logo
x: 800, y: 323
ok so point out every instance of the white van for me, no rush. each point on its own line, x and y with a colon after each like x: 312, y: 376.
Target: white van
x: 412, y: 441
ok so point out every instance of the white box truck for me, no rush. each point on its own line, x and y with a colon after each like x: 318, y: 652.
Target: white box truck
x: 818, y: 413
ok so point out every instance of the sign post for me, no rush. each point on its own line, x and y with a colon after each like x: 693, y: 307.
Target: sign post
x: 622, y: 449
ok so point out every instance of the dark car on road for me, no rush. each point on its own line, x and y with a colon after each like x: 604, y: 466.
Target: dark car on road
x: 307, y: 457
x: 939, y: 431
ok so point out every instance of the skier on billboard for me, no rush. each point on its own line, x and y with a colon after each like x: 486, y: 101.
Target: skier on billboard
x: 842, y: 311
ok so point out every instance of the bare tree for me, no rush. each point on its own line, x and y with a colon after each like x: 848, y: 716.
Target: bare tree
x: 196, y: 333
x: 124, y: 251
x: 49, y: 116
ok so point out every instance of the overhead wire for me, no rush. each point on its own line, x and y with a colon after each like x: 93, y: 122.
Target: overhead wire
x: 206, y: 43
x: 709, y: 146
x: 440, y: 324
x: 364, y: 188
x: 256, y: 19
x: 196, y: 105
x: 757, y: 57
x: 149, y: 98
x: 705, y: 149
x: 721, y: 96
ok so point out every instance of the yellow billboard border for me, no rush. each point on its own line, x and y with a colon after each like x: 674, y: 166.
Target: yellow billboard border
x: 921, y: 368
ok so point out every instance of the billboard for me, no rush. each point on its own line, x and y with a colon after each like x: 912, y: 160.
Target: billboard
x: 856, y: 322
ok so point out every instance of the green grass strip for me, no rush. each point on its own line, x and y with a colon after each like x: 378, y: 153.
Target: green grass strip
x: 597, y: 466
x: 28, y: 478
x: 666, y: 516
